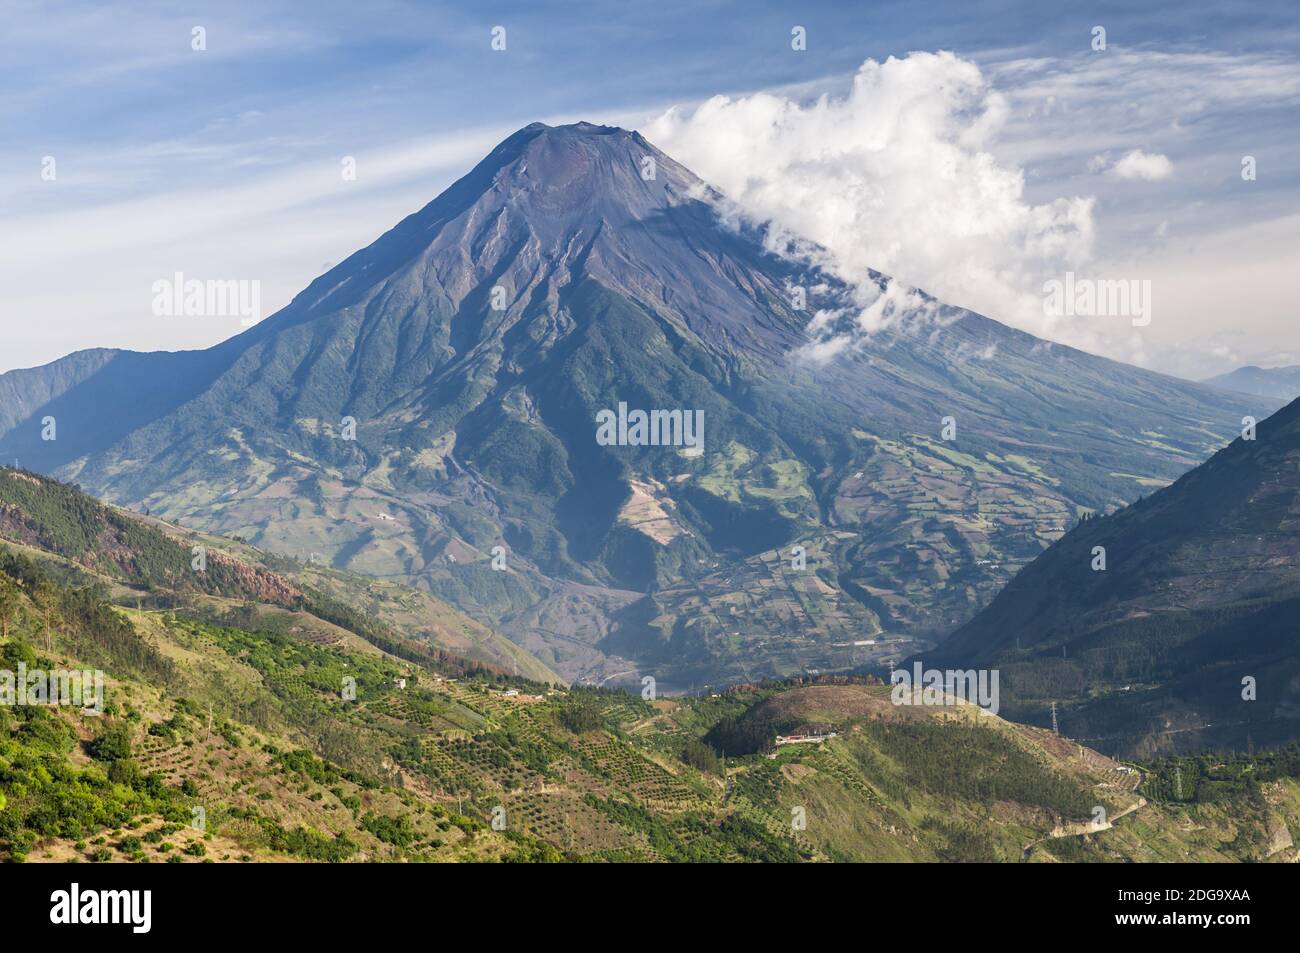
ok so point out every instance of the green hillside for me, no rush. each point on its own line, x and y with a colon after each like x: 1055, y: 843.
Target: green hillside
x: 252, y: 734
x: 1187, y: 637
x: 143, y: 560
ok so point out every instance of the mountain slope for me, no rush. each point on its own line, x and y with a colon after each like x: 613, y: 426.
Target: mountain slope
x: 141, y: 559
x: 1200, y: 592
x: 474, y: 346
x: 1280, y: 382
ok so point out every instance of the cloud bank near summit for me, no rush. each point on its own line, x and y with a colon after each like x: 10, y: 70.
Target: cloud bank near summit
x: 893, y: 174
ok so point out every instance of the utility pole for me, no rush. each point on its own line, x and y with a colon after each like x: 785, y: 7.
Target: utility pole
x: 1056, y: 729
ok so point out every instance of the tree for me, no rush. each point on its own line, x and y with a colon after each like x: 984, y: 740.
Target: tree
x: 112, y: 744
x: 699, y: 755
x: 46, y: 596
x: 9, y: 597
x: 581, y: 717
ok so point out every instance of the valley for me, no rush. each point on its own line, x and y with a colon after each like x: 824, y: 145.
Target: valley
x: 1184, y: 641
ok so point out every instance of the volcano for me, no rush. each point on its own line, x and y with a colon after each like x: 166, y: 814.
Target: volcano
x: 428, y: 410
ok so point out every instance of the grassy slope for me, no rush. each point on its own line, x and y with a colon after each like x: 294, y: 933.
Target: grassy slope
x: 131, y: 552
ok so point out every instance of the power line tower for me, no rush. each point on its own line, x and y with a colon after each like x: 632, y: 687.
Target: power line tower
x: 1056, y: 728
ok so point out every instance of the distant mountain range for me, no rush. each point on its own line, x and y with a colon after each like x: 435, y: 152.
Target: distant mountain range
x: 577, y: 269
x: 1188, y: 637
x: 1280, y: 382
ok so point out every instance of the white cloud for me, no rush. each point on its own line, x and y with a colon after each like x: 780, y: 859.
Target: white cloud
x: 893, y: 174
x: 1142, y: 165
x: 874, y: 308
x: 968, y: 181
x: 1099, y: 163
x: 1134, y: 164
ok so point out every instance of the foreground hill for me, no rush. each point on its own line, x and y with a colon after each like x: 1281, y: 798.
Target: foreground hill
x: 244, y: 719
x: 229, y: 745
x: 1196, y: 607
x: 575, y: 269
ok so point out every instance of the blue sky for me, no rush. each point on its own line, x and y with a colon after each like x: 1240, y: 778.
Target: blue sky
x: 224, y: 163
